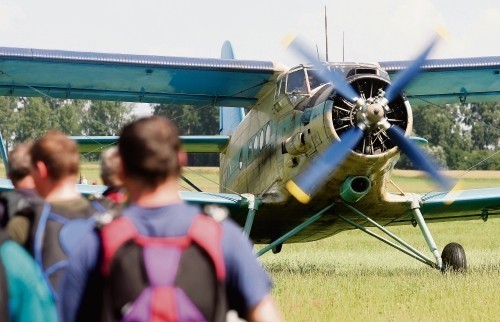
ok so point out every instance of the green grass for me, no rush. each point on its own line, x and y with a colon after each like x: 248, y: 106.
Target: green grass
x: 353, y: 277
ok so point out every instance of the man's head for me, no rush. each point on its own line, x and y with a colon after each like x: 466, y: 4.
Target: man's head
x: 110, y: 167
x: 19, y: 166
x: 150, y: 150
x: 54, y: 157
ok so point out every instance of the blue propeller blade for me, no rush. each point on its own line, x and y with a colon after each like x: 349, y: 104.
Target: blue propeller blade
x: 320, y: 169
x: 325, y: 74
x: 419, y: 158
x: 406, y: 76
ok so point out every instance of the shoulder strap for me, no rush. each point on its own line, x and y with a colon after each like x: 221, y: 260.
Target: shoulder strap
x: 114, y: 235
x: 207, y: 233
x: 39, y: 234
x: 4, y: 291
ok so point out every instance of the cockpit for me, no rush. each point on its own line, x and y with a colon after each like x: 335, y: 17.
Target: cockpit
x: 299, y: 81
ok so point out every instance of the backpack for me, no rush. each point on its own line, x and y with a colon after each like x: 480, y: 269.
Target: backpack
x: 57, y: 232
x: 15, y: 201
x: 163, y: 278
x: 4, y: 291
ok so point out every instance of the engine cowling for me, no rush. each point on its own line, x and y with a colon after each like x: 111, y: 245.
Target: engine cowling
x: 344, y: 115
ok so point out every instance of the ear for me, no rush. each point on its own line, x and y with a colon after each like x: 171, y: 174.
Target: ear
x: 182, y: 157
x: 42, y: 170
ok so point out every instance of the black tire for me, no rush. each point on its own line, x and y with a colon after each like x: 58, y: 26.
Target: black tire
x: 454, y: 259
x: 276, y: 249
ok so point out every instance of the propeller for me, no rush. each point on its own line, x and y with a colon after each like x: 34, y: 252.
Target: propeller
x: 370, y: 114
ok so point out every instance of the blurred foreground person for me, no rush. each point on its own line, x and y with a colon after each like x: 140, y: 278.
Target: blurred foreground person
x: 23, y: 195
x: 110, y: 175
x: 163, y: 259
x: 50, y: 232
x: 24, y: 294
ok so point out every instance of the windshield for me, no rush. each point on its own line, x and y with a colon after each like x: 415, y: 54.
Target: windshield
x: 302, y: 81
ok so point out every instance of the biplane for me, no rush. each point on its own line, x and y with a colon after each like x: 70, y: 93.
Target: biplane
x: 305, y: 152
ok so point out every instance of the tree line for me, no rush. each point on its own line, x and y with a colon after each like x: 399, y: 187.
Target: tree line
x: 460, y: 136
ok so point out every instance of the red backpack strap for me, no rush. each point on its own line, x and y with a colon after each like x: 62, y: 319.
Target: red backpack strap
x: 113, y: 235
x: 207, y: 233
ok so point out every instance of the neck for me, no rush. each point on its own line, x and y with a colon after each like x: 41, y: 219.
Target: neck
x: 163, y: 194
x: 25, y: 183
x: 61, y: 190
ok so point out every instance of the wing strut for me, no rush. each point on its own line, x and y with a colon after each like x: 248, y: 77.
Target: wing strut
x: 253, y: 205
x: 278, y: 242
x: 3, y: 152
x: 401, y: 245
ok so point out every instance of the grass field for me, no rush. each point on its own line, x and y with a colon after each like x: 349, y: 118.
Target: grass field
x: 353, y: 277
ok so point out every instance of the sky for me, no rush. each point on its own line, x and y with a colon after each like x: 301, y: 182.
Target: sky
x: 379, y: 30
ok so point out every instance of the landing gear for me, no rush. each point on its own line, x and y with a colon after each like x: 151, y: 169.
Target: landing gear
x: 453, y: 257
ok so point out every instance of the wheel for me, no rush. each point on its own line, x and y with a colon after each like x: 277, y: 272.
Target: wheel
x: 277, y: 248
x: 453, y: 257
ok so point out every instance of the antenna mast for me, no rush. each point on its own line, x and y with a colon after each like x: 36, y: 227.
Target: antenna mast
x: 343, y: 46
x: 326, y: 36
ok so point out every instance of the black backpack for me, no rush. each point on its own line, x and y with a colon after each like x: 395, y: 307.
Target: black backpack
x: 163, y: 278
x: 55, y: 234
x: 15, y: 201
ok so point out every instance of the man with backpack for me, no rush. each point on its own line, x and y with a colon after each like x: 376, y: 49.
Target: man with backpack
x: 162, y: 259
x: 51, y: 230
x: 23, y: 195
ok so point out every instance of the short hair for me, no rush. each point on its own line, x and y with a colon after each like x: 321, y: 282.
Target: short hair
x: 59, y: 154
x: 110, y: 164
x: 19, y: 163
x: 149, y: 150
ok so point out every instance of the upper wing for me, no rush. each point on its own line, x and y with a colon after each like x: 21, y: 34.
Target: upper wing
x: 133, y: 78
x: 191, y: 143
x: 459, y: 80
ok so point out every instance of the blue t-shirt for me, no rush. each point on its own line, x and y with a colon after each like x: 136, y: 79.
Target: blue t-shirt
x: 246, y: 281
x: 29, y: 295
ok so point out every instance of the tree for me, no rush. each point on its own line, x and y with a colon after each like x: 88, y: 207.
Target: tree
x: 483, y: 120
x: 465, y: 134
x: 68, y: 117
x: 9, y: 117
x: 105, y: 118
x: 193, y: 120
x: 34, y: 119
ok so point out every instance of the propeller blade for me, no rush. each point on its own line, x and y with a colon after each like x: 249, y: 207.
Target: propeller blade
x: 325, y: 74
x: 419, y: 158
x: 406, y: 76
x: 320, y: 169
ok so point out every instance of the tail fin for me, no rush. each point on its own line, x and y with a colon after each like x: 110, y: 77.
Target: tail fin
x: 230, y: 117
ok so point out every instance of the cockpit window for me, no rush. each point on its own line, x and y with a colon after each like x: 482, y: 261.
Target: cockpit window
x: 303, y: 81
x: 313, y: 79
x: 296, y: 82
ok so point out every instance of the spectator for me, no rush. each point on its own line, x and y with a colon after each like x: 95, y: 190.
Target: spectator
x: 110, y: 175
x: 19, y: 173
x: 82, y: 180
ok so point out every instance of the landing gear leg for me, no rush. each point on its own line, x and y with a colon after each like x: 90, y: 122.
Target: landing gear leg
x: 415, y: 207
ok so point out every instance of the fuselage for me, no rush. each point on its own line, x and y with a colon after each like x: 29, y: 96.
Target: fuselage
x: 291, y: 125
